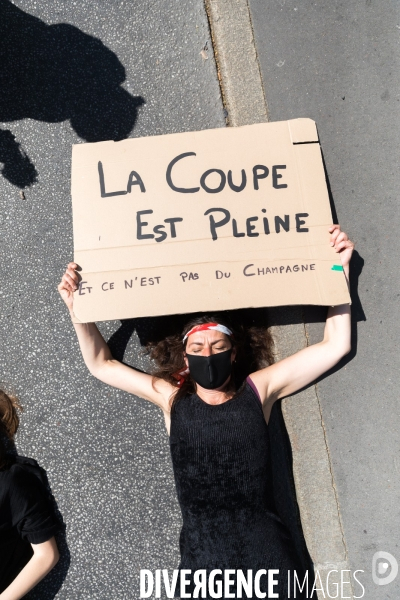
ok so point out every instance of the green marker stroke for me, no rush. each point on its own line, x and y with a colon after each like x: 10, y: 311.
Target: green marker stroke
x: 337, y: 268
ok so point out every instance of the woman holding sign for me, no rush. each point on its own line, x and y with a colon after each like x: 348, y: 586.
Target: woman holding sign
x: 219, y: 439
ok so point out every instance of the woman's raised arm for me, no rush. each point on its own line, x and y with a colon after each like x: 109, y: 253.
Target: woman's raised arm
x: 99, y: 360
x: 295, y: 372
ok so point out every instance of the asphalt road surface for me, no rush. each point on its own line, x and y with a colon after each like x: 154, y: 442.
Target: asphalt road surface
x: 72, y: 72
x: 339, y: 63
x: 89, y: 71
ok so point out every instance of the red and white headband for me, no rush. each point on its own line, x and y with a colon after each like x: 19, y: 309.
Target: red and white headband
x: 208, y: 326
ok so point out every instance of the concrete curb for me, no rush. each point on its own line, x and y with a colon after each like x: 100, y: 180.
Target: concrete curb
x: 243, y: 93
x: 236, y: 56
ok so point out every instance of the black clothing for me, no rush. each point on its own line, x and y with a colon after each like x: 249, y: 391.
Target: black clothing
x: 26, y: 516
x: 221, y: 460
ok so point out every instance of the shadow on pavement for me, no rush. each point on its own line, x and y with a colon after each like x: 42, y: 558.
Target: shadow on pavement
x: 55, y: 73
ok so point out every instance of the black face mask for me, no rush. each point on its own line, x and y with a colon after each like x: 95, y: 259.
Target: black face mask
x: 210, y: 371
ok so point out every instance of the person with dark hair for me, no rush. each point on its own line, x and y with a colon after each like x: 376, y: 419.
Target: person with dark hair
x: 28, y: 550
x: 219, y: 441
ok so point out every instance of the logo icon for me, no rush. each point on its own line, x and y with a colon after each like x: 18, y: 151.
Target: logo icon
x: 384, y: 568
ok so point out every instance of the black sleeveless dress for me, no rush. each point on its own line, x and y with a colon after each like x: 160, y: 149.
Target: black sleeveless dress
x: 221, y: 460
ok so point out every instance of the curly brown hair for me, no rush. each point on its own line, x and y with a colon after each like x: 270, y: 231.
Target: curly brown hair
x: 9, y: 422
x: 251, y: 339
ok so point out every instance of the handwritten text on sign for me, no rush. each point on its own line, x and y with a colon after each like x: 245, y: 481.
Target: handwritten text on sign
x: 160, y: 231
x: 209, y: 220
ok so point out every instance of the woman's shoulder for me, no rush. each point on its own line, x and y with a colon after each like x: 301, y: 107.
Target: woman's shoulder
x: 27, y: 501
x: 23, y: 477
x: 15, y: 478
x: 16, y: 488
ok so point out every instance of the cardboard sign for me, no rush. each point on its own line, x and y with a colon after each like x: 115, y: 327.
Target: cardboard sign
x: 202, y: 221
